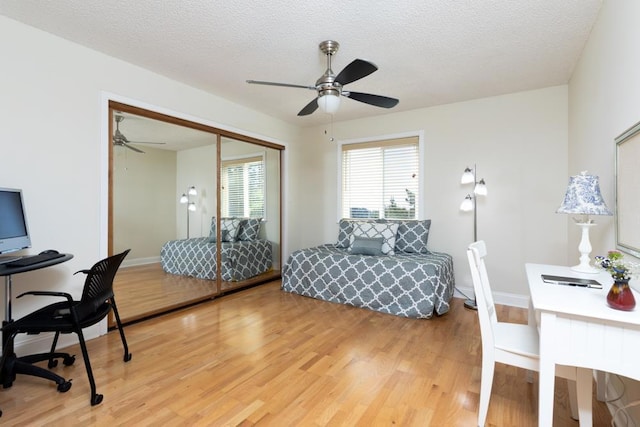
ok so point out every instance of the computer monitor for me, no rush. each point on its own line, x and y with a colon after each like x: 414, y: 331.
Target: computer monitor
x: 14, y: 232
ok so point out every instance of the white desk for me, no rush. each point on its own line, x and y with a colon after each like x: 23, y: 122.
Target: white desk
x: 578, y: 328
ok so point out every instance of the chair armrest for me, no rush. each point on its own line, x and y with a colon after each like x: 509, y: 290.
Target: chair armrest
x: 48, y: 293
x: 82, y: 271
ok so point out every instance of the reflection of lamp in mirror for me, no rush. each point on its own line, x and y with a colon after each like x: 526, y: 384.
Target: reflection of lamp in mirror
x: 191, y: 206
x: 583, y: 197
x: 468, y: 205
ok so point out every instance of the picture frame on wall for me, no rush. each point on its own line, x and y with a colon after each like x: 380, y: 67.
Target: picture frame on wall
x: 627, y: 191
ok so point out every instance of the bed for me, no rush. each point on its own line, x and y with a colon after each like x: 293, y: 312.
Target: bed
x: 243, y: 254
x: 407, y: 281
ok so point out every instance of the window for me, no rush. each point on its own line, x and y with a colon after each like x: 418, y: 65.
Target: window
x: 243, y: 189
x: 380, y: 179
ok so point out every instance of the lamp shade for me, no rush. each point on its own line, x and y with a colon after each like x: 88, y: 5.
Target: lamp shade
x: 329, y: 102
x: 467, y: 177
x: 583, y: 196
x: 467, y: 204
x: 184, y: 199
x: 192, y: 191
x: 480, y: 188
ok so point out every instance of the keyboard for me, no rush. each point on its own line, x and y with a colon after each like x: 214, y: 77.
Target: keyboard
x: 33, y: 259
x: 7, y: 259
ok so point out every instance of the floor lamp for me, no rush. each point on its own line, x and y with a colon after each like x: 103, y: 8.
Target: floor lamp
x: 191, y: 206
x: 469, y: 204
x: 583, y: 197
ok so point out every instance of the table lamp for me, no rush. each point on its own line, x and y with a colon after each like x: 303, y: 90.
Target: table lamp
x: 583, y: 197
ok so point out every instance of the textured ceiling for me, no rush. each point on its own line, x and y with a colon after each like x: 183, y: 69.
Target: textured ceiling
x: 429, y: 52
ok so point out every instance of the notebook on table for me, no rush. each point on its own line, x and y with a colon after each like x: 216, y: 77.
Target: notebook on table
x: 571, y: 281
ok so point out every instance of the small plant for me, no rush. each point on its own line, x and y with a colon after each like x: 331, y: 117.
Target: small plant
x: 615, y: 265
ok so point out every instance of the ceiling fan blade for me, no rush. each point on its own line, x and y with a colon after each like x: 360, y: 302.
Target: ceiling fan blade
x: 258, y: 82
x: 147, y: 142
x: 309, y: 108
x: 131, y: 147
x: 377, y: 100
x: 358, y: 69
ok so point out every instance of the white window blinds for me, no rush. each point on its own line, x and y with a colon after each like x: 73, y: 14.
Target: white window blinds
x: 380, y: 179
x: 243, y: 189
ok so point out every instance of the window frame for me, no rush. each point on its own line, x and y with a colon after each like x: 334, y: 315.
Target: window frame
x: 244, y: 159
x: 420, y: 206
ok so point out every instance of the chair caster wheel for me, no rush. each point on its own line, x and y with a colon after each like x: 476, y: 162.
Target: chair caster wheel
x: 127, y: 357
x: 64, y: 387
x: 95, y: 400
x: 68, y: 361
x: 52, y: 363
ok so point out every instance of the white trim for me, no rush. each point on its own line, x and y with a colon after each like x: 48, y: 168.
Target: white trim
x: 263, y: 156
x: 503, y: 298
x: 421, y: 163
x: 140, y: 261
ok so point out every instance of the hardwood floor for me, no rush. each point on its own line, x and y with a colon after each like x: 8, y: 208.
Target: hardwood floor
x: 265, y: 357
x: 146, y: 290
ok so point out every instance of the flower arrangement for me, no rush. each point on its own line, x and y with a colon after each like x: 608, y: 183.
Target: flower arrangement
x: 615, y: 265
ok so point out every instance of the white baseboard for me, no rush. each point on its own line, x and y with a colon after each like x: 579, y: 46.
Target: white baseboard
x: 503, y: 298
x: 140, y: 261
x: 41, y: 343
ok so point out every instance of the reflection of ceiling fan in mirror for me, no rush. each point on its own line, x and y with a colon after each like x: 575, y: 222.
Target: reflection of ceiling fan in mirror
x: 120, y: 140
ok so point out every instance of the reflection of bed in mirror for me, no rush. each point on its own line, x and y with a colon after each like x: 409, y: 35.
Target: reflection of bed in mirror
x: 243, y: 253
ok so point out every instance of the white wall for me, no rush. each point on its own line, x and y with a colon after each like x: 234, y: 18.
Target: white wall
x: 53, y: 133
x: 196, y: 167
x: 519, y: 142
x: 604, y: 101
x: 144, y: 217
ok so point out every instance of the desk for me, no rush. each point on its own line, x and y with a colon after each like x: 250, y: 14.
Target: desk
x: 6, y: 378
x: 578, y: 328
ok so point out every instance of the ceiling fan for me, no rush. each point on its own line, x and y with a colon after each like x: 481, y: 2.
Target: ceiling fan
x: 120, y: 140
x: 330, y: 86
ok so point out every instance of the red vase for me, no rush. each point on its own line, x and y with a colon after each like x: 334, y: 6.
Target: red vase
x: 620, y: 296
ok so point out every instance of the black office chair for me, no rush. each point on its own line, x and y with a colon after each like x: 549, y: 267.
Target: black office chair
x: 68, y: 317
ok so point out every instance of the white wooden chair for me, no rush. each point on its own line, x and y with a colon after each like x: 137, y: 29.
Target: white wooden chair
x: 509, y: 343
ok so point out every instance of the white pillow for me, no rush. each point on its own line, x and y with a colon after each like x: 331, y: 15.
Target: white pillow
x: 386, y: 230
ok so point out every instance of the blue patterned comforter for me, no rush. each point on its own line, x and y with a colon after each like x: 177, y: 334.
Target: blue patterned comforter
x: 405, y: 284
x: 197, y: 257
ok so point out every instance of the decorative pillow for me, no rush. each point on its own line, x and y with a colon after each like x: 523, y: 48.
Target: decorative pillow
x: 250, y: 228
x: 345, y: 227
x: 366, y: 246
x: 229, y: 229
x: 232, y: 225
x: 223, y: 233
x: 374, y: 229
x: 413, y: 236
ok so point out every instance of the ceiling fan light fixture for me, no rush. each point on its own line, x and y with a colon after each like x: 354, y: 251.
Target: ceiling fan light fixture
x: 329, y: 101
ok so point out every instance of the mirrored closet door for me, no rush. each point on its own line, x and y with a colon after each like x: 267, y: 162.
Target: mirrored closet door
x: 198, y: 207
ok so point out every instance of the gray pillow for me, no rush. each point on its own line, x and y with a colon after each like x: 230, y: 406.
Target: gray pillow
x: 229, y: 225
x: 249, y: 229
x: 413, y: 236
x: 387, y: 231
x: 224, y: 234
x: 366, y: 246
x: 344, y: 231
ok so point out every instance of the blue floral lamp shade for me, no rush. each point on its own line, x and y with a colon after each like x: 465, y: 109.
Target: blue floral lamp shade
x: 583, y: 197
